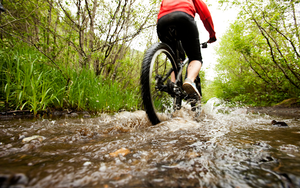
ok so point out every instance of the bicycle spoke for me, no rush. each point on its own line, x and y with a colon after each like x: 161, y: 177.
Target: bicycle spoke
x: 157, y: 65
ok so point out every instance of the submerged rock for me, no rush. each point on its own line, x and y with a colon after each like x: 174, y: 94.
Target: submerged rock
x: 35, y: 137
x: 86, y: 116
x: 73, y: 114
x: 283, y: 124
x: 122, y: 151
x: 14, y: 180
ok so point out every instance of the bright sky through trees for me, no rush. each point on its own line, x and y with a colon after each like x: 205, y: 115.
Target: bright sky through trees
x: 222, y: 19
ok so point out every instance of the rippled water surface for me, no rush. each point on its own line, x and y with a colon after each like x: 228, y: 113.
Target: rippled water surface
x: 220, y: 148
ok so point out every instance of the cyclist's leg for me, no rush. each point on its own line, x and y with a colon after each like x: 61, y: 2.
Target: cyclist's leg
x: 189, y: 36
x: 186, y: 30
x: 164, y: 26
x: 194, y: 69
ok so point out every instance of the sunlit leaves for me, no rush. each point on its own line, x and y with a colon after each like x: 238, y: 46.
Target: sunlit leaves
x: 260, y: 53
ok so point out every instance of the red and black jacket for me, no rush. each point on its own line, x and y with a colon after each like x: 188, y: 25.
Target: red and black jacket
x: 190, y: 7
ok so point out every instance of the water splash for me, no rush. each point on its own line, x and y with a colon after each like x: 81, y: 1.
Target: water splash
x: 223, y: 147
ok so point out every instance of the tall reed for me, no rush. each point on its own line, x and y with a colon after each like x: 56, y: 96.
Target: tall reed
x: 95, y: 93
x: 29, y: 83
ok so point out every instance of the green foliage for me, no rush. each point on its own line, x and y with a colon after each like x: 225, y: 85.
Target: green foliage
x: 25, y: 79
x: 27, y: 83
x: 89, y: 92
x: 72, y: 55
x: 259, y: 55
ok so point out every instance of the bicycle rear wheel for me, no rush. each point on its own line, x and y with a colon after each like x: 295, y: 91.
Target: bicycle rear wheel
x: 157, y: 67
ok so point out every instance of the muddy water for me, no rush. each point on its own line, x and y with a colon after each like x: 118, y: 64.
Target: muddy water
x: 220, y: 148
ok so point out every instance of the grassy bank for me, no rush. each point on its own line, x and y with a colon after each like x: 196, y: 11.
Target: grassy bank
x: 29, y: 82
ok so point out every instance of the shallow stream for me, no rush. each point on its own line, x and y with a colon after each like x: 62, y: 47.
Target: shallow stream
x: 223, y: 147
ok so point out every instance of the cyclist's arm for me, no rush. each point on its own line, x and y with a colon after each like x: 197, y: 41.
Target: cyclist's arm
x: 205, y: 16
x: 209, y: 26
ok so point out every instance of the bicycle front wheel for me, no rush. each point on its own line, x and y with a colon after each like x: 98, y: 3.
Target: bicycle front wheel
x: 157, y: 67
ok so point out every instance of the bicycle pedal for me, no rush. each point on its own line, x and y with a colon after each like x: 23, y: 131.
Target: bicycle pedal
x: 195, y: 107
x: 177, y: 107
x: 193, y: 98
x: 192, y: 101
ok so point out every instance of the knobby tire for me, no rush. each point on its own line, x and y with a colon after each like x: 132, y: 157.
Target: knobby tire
x: 148, y: 71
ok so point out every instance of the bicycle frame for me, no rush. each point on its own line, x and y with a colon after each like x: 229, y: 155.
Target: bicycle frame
x: 181, y: 66
x: 159, y: 83
x: 177, y: 87
x: 178, y: 90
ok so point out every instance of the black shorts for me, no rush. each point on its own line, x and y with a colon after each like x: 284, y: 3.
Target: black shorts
x: 186, y: 31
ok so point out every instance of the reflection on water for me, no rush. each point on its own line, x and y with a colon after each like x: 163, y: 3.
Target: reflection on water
x: 223, y: 147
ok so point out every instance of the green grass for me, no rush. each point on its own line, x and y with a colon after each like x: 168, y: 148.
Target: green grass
x: 28, y: 83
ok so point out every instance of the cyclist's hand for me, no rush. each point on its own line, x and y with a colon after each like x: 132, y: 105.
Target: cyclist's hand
x: 211, y: 40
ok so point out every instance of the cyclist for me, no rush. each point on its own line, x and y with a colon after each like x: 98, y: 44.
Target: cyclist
x: 180, y: 14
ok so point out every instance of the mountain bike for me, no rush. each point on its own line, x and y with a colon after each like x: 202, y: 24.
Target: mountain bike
x: 161, y: 96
